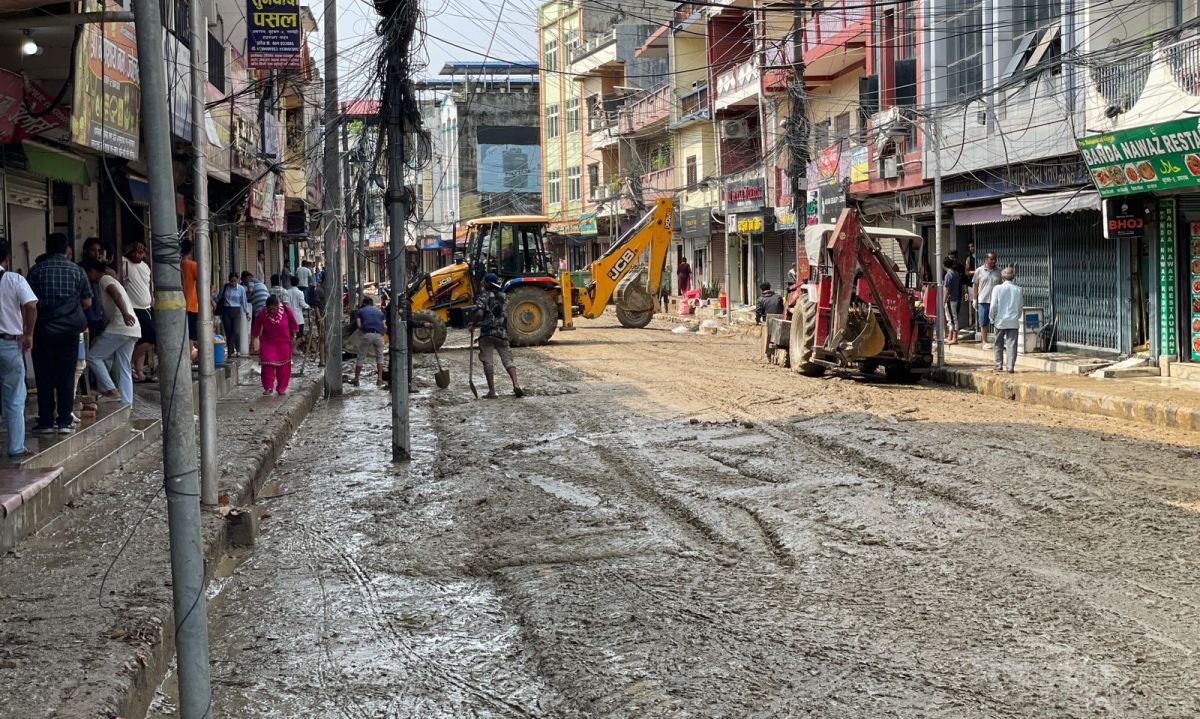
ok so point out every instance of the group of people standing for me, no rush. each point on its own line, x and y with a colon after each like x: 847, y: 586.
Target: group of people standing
x: 997, y: 303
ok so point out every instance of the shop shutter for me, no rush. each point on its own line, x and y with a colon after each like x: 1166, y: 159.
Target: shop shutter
x: 774, y: 270
x: 1189, y: 207
x: 1088, y: 291
x: 716, y: 261
x: 1024, y: 244
x: 26, y: 190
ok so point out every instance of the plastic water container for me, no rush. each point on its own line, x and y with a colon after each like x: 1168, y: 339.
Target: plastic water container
x: 723, y: 299
x: 218, y: 350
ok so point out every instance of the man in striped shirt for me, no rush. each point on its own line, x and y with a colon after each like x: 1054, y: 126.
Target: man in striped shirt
x: 257, y: 292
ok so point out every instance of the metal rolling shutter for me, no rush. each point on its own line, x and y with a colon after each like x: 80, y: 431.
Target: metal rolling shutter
x: 774, y: 269
x: 26, y: 189
x: 1025, y: 244
x: 1089, y: 294
x: 716, y: 261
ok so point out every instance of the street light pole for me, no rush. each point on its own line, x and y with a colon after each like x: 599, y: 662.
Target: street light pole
x: 332, y: 212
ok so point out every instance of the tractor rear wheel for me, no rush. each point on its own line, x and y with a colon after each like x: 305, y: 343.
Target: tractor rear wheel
x: 532, y: 317
x: 634, y: 318
x: 427, y: 339
x: 803, y: 337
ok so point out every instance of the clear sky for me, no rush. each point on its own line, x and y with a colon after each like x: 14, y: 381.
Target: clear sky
x: 452, y: 30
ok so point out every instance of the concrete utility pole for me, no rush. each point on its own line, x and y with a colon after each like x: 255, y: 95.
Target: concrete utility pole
x: 933, y: 137
x: 203, y: 248
x: 798, y: 133
x: 397, y: 259
x: 351, y: 270
x: 333, y: 212
x: 180, y: 478
x: 360, y: 243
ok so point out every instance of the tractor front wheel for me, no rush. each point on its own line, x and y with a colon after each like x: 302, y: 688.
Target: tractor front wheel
x: 427, y: 339
x: 803, y: 337
x: 532, y: 317
x: 633, y: 318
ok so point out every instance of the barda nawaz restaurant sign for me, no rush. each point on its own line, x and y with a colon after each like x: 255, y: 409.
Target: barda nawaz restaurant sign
x: 1143, y: 159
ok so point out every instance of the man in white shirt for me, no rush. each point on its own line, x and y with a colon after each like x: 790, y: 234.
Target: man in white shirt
x: 295, y: 300
x: 986, y: 279
x: 1007, y: 306
x: 18, y: 315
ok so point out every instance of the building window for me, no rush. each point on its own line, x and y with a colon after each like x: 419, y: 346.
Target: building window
x: 574, y: 188
x: 594, y: 180
x: 572, y: 115
x: 551, y: 121
x: 821, y: 135
x: 841, y: 130
x: 690, y: 164
x: 1031, y: 17
x: 550, y: 55
x: 963, y: 30
x: 216, y: 62
x: 553, y: 187
x: 571, y: 38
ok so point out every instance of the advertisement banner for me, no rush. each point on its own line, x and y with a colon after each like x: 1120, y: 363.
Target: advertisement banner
x: 106, y: 105
x: 243, y: 148
x: 695, y: 223
x: 828, y: 162
x: 859, y: 168
x: 1143, y: 159
x: 279, y: 213
x: 785, y: 218
x: 1167, y: 300
x: 587, y: 226
x: 273, y: 34
x: 179, y: 86
x: 262, y: 199
x: 744, y: 196
x: 17, y: 101
x: 1194, y: 286
x: 219, y: 127
x: 509, y: 160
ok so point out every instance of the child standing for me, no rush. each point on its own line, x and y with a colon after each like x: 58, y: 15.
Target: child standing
x: 275, y: 327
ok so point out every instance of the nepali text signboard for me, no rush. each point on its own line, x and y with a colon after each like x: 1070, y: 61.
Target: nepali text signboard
x: 1167, y: 346
x: 1143, y: 159
x: 106, y: 107
x: 25, y: 109
x: 1194, y: 287
x: 695, y: 223
x: 273, y: 34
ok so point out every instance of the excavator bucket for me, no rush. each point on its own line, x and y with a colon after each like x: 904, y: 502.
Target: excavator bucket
x: 870, y: 340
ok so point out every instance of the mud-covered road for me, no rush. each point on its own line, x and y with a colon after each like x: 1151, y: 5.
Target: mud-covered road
x: 668, y: 528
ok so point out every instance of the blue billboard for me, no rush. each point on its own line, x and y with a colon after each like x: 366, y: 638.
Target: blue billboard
x: 509, y: 160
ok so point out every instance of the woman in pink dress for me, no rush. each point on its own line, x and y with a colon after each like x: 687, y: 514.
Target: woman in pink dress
x: 275, y: 326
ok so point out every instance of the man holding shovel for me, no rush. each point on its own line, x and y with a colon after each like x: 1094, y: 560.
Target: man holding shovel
x: 493, y: 334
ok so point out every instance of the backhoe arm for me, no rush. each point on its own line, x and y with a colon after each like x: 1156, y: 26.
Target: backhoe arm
x: 653, y: 231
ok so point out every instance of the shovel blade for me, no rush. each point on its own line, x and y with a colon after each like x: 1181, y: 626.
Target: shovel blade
x: 870, y: 341
x: 442, y: 378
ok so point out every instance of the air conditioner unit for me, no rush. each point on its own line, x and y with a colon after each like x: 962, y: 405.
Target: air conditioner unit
x: 884, y: 123
x: 735, y: 129
x: 889, y: 168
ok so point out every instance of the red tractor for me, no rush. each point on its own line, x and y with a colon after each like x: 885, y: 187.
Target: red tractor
x: 850, y: 308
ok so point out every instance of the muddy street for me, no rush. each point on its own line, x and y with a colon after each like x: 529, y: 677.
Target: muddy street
x: 667, y: 527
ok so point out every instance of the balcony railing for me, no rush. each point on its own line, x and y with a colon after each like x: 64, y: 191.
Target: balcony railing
x: 1184, y: 59
x: 594, y: 44
x: 652, y: 107
x: 738, y: 83
x: 1121, y: 82
x: 660, y: 183
x: 821, y: 32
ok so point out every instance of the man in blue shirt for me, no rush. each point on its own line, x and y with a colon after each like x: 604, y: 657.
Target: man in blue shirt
x: 232, y: 305
x: 1006, y: 309
x: 256, y: 292
x: 369, y: 320
x: 953, y: 284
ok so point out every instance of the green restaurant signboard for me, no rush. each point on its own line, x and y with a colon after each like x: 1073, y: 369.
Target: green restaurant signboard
x: 1165, y: 156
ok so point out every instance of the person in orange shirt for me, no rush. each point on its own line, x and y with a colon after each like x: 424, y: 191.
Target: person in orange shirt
x: 188, y: 268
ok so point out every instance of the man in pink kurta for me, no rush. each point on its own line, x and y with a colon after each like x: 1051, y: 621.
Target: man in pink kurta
x: 275, y: 327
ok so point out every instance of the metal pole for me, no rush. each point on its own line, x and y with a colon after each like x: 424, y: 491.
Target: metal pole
x: 203, y: 246
x: 180, y: 477
x: 933, y: 136
x: 797, y: 137
x: 360, y: 243
x: 333, y: 212
x: 397, y: 216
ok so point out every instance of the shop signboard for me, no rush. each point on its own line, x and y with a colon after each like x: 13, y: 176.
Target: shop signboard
x: 746, y: 196
x: 1194, y: 290
x: 859, y: 167
x: 916, y: 202
x: 262, y: 199
x: 1124, y: 217
x: 106, y: 106
x: 509, y: 159
x: 831, y: 200
x: 1144, y: 159
x: 695, y: 223
x: 273, y: 34
x: 25, y: 109
x: 587, y: 226
x: 751, y: 224
x: 278, y: 213
x: 1166, y: 278
x: 244, y: 140
x: 785, y: 218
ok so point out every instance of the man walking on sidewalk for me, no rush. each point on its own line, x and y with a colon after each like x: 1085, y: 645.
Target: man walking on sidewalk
x: 1007, y: 305
x: 18, y: 315
x: 493, y: 334
x: 986, y: 279
x: 63, y: 293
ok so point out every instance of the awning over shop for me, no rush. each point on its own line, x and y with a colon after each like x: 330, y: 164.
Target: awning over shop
x: 1049, y: 204
x: 55, y: 164
x: 980, y: 215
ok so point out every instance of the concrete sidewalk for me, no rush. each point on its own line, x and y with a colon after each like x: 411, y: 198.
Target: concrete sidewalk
x: 85, y: 615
